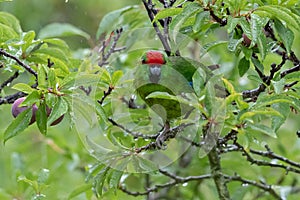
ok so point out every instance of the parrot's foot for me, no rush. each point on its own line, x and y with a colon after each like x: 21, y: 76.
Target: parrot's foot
x: 163, y: 137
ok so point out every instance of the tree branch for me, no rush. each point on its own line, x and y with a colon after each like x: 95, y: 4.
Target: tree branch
x: 271, y: 155
x: 112, y: 49
x: 11, y: 98
x: 263, y: 186
x: 25, y: 66
x: 215, y: 166
x: 149, y: 5
x: 175, y: 180
x: 9, y: 80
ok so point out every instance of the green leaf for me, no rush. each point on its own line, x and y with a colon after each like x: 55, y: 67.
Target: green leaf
x: 53, y: 52
x: 281, y: 13
x: 209, y: 46
x: 262, y: 46
x: 284, y: 109
x: 32, y: 183
x: 278, y: 85
x: 42, y: 77
x: 201, y: 18
x: 161, y: 95
x: 232, y: 23
x: 168, y: 12
x: 76, y: 80
x: 99, y: 179
x: 61, y: 30
x: 94, y: 170
x: 61, y: 44
x: 233, y: 44
x: 209, y: 98
x: 7, y: 33
x: 243, y: 66
x: 228, y: 86
x: 117, y: 75
x: 115, y: 178
x: 246, y: 27
x: 79, y: 190
x: 18, y: 125
x: 41, y: 118
x: 101, y: 112
x: 43, y: 176
x: 56, y: 55
x: 111, y: 20
x: 260, y: 128
x: 31, y: 98
x: 256, y: 27
x: 147, y: 165
x: 23, y: 88
x: 11, y: 21
x: 181, y: 18
x: 237, y: 97
x: 52, y: 79
x: 247, y: 52
x: 28, y: 37
x: 267, y: 112
x: 60, y: 108
x: 267, y: 100
x: 199, y: 79
x: 285, y: 34
x: 257, y: 64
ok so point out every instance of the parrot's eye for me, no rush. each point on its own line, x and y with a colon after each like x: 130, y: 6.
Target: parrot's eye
x: 144, y: 60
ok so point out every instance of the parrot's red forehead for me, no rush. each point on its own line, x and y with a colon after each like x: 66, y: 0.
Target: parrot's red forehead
x: 154, y: 57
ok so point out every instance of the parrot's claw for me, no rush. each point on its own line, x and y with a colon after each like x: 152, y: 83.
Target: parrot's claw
x: 160, y: 141
x: 163, y: 137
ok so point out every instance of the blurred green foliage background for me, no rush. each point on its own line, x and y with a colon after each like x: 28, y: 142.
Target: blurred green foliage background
x: 61, y: 151
x: 86, y: 15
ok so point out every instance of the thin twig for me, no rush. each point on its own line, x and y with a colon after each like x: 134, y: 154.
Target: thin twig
x: 263, y: 186
x: 165, y: 136
x: 175, y: 180
x: 9, y: 80
x: 106, y: 94
x: 113, y: 48
x: 134, y: 134
x: 270, y: 164
x: 289, y: 71
x: 148, y: 5
x: 11, y: 98
x: 27, y: 67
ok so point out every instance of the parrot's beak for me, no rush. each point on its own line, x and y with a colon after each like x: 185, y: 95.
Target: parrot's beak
x: 155, y: 71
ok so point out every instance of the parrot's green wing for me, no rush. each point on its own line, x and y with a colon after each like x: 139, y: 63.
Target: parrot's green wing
x: 171, y: 82
x: 187, y: 67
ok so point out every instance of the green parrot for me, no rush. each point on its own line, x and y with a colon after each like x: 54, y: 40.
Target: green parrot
x: 172, y: 76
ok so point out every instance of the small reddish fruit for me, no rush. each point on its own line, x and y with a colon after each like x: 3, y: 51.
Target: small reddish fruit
x: 247, y: 40
x: 16, y: 109
x: 57, y: 121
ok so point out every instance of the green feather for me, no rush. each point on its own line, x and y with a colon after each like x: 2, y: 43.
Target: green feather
x: 187, y: 67
x: 172, y: 82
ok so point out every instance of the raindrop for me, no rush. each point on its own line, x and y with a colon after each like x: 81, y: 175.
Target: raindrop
x: 185, y: 184
x: 245, y: 184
